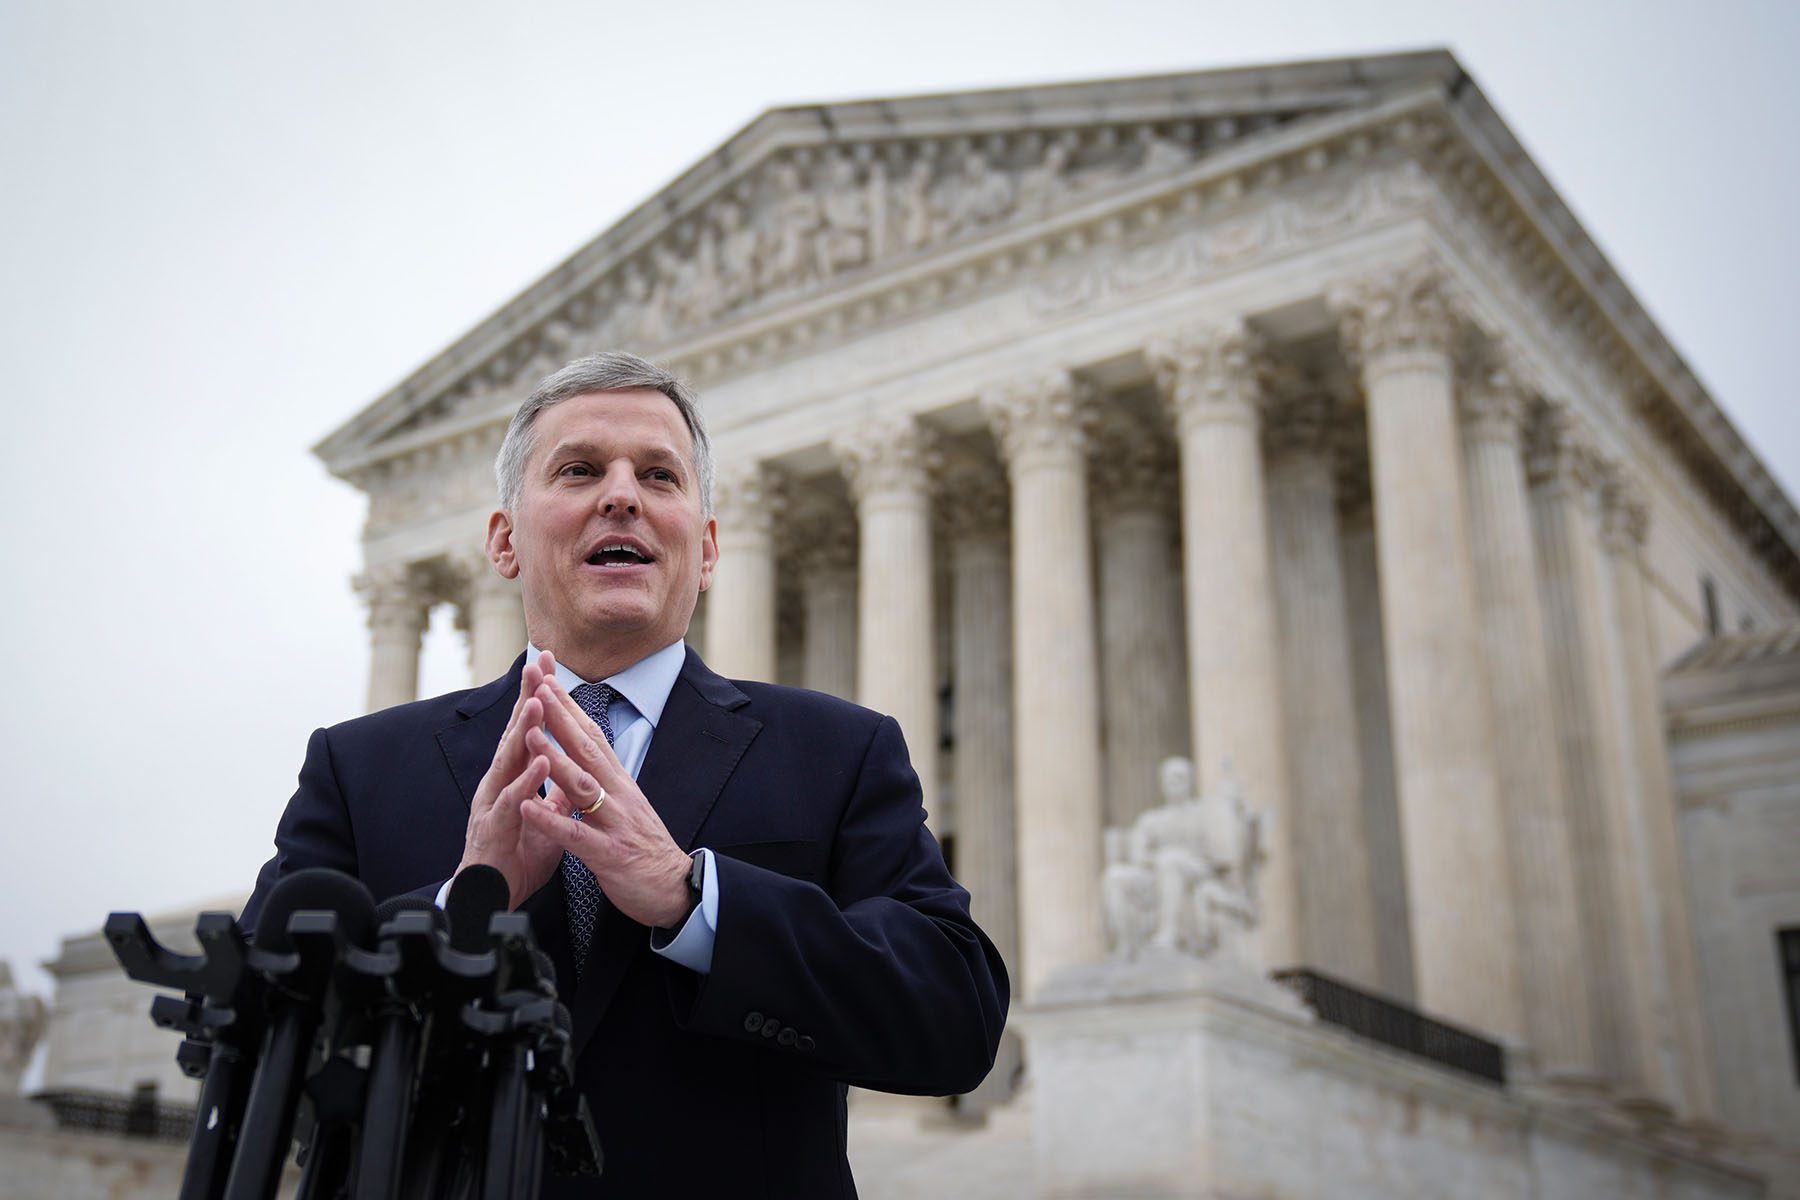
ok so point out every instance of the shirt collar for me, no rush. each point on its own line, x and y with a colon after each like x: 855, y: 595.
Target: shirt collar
x: 646, y: 683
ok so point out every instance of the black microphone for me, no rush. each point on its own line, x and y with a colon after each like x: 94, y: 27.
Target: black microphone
x: 403, y: 923
x: 475, y: 896
x: 299, y: 974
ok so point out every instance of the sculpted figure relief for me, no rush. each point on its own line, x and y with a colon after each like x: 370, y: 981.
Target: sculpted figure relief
x: 792, y: 219
x: 849, y: 221
x: 1182, y: 879
x: 975, y: 196
x: 788, y: 230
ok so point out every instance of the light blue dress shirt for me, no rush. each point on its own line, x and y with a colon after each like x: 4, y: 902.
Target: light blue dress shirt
x: 642, y: 693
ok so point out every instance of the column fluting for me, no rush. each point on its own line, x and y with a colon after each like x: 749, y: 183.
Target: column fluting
x: 495, y: 616
x: 1563, y: 469
x: 398, y: 613
x: 982, y: 773
x: 1330, y: 835
x: 1038, y: 423
x: 741, y: 632
x: 1662, y: 882
x: 1400, y: 327
x: 1535, y: 800
x: 1211, y: 383
x: 888, y: 464
x: 1144, y: 712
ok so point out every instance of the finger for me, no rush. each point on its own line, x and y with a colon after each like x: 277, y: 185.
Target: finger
x: 578, y: 733
x: 579, y: 786
x: 549, y: 817
x: 505, y: 820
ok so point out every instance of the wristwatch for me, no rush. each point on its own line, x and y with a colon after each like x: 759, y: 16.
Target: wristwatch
x: 696, y: 881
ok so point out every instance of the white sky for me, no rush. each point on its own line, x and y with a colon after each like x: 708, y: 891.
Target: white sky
x: 223, y: 230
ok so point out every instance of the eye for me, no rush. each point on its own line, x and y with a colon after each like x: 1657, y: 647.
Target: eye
x: 662, y: 474
x: 576, y: 470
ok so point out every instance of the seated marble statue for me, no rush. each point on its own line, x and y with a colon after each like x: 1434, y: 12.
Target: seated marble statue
x: 1182, y: 879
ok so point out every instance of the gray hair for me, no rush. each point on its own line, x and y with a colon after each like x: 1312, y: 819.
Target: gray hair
x: 609, y: 371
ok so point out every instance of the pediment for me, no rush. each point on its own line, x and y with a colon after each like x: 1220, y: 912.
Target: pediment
x: 805, y: 200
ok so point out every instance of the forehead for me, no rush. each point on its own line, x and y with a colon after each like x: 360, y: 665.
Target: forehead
x: 638, y: 420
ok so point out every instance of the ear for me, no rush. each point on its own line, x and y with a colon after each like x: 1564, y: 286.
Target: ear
x: 709, y: 552
x: 500, y: 545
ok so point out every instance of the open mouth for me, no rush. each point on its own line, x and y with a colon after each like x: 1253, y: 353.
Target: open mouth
x: 618, y: 554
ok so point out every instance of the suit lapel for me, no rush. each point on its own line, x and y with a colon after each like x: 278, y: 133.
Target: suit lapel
x: 697, y: 745
x: 469, y: 744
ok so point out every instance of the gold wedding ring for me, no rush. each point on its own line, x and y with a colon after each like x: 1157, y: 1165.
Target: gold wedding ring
x: 591, y: 809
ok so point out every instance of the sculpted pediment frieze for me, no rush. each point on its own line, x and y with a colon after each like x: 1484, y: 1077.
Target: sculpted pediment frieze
x: 808, y: 218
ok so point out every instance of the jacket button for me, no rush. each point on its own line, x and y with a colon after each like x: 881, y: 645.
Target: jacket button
x: 771, y: 1027
x: 805, y: 1043
x: 753, y: 1022
x: 786, y: 1037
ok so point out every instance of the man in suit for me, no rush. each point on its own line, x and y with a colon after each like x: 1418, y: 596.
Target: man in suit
x: 734, y: 879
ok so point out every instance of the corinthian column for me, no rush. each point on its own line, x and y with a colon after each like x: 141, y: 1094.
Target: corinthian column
x: 1142, y: 648
x: 1212, y: 389
x: 888, y: 466
x: 827, y: 557
x: 1056, y: 715
x: 1577, y: 616
x: 740, y: 607
x: 981, y: 641
x: 1400, y: 327
x: 1540, y: 852
x: 495, y: 617
x: 1330, y: 833
x: 398, y: 613
x: 1661, y: 882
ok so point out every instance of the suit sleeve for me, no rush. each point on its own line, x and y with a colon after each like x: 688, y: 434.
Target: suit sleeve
x: 880, y: 977
x: 314, y: 830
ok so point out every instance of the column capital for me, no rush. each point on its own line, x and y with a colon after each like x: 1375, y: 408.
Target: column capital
x: 1559, y: 452
x: 1306, y: 421
x: 1209, y: 374
x: 1045, y: 411
x: 974, y: 503
x: 395, y: 597
x: 748, y: 495
x: 1134, y: 467
x: 1494, y: 402
x: 890, y: 454
x: 1412, y: 307
x: 1624, y: 511
x: 471, y: 569
x: 819, y: 531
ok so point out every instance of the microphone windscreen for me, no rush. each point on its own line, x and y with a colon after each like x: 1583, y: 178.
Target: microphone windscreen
x: 406, y: 902
x: 316, y: 888
x: 475, y: 896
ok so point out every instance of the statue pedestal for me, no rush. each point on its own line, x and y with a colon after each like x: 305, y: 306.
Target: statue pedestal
x: 1170, y: 1076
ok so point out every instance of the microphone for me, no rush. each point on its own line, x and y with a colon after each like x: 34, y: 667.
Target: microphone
x: 413, y: 926
x: 475, y: 896
x: 222, y: 1021
x: 299, y: 972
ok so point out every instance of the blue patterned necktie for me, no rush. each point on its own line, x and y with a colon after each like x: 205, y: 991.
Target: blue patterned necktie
x: 578, y: 882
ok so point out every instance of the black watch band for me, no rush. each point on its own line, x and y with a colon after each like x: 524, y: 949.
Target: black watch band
x: 696, y: 883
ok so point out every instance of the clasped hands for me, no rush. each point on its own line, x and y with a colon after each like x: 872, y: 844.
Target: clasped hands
x: 523, y: 835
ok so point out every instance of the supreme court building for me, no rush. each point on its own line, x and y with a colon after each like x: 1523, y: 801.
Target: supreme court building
x: 1283, y: 418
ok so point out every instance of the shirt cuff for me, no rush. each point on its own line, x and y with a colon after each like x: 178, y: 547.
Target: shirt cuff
x: 692, y: 945
x: 443, y: 893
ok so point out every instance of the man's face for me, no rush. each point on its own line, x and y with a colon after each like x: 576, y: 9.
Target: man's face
x: 609, y: 539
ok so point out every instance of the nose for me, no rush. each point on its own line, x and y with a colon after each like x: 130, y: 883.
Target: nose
x: 619, y: 493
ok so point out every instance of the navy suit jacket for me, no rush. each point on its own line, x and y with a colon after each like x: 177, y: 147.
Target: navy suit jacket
x: 845, y: 952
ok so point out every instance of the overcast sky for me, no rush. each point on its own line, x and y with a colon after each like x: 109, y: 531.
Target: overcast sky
x: 225, y: 228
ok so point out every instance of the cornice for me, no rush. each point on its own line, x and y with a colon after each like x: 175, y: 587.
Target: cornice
x: 1418, y: 107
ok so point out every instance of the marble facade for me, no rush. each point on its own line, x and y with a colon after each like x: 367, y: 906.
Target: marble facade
x: 1282, y: 418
